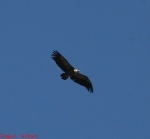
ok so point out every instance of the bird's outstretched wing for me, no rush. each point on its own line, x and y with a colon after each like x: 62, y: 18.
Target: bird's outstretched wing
x: 61, y: 61
x: 82, y: 80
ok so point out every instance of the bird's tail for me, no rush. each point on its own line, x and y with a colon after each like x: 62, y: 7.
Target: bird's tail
x: 64, y: 76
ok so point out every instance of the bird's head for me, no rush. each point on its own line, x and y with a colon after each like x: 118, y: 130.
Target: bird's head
x: 76, y: 70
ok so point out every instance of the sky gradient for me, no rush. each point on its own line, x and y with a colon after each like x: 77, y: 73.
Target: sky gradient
x: 109, y: 41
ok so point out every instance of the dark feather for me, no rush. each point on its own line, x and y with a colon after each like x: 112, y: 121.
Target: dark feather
x: 82, y: 80
x: 69, y: 71
x: 61, y: 61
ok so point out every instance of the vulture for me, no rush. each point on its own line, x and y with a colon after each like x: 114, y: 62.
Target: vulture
x: 70, y: 71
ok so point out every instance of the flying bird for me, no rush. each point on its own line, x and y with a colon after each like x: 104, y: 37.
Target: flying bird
x: 70, y: 71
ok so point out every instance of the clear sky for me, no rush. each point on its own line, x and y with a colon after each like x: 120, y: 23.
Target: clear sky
x: 109, y: 41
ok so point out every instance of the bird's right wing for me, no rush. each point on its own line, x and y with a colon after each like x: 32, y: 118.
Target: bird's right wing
x: 61, y: 61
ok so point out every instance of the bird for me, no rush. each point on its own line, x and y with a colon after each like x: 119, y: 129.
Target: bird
x: 70, y: 71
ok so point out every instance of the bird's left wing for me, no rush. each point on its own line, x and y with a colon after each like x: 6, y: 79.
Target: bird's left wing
x: 82, y: 80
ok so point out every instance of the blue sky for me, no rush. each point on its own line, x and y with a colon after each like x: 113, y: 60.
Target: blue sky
x: 109, y: 41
